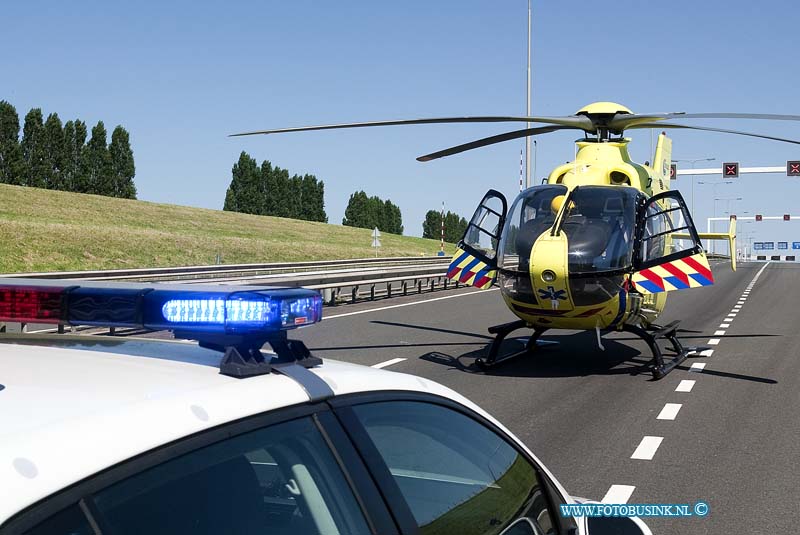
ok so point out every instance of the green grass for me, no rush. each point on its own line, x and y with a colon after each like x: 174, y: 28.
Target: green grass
x: 42, y: 230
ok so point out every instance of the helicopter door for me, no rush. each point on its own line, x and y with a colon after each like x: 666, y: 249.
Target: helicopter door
x: 475, y: 261
x: 668, y: 254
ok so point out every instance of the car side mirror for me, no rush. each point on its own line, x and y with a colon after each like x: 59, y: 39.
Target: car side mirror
x: 616, y: 525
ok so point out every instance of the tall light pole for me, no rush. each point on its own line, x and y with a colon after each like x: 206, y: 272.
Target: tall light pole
x: 693, y: 161
x: 528, y: 108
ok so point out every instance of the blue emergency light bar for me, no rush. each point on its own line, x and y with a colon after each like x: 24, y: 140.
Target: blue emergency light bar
x: 235, y: 320
x: 196, y: 309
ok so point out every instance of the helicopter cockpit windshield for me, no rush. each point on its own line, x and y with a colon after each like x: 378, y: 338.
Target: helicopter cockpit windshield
x: 530, y: 216
x: 599, y: 223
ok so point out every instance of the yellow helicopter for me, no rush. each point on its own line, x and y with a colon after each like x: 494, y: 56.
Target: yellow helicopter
x: 599, y: 244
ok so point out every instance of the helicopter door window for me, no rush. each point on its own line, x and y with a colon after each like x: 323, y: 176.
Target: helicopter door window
x: 483, y: 232
x: 667, y: 231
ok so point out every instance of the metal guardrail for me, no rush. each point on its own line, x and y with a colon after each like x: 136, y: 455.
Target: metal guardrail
x: 367, y: 278
x: 226, y: 271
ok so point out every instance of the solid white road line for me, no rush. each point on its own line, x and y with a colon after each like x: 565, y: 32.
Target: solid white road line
x: 669, y: 412
x: 685, y: 385
x: 406, y: 304
x: 713, y: 342
x: 387, y: 363
x: 618, y: 494
x: 697, y: 366
x: 647, y: 448
x: 719, y: 333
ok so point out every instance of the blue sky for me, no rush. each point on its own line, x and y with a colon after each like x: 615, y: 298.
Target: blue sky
x: 180, y: 76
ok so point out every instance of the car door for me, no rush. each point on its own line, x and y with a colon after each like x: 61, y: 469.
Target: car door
x: 668, y: 254
x: 285, y: 472
x: 449, y: 471
x: 475, y: 260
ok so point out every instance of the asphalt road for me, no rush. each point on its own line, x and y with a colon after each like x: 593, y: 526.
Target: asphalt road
x: 734, y: 442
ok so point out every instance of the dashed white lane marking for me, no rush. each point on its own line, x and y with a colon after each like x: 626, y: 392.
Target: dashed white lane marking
x: 406, y: 304
x: 685, y: 385
x: 697, y: 366
x: 387, y: 363
x: 724, y: 325
x: 732, y: 315
x: 713, y: 342
x: 618, y: 494
x: 719, y: 333
x: 706, y: 352
x: 669, y: 412
x: 647, y: 448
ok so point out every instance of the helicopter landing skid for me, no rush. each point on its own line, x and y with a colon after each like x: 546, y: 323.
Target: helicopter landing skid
x: 500, y: 332
x: 659, y: 365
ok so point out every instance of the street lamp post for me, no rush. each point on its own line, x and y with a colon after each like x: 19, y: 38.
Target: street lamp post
x: 528, y: 107
x: 694, y: 161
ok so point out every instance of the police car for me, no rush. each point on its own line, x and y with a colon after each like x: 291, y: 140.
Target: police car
x: 213, y: 433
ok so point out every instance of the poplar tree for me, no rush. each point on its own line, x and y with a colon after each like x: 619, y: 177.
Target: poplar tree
x: 95, y: 164
x: 74, y: 177
x: 122, y: 165
x: 35, y: 170
x: 243, y: 192
x: 54, y: 152
x: 11, y: 164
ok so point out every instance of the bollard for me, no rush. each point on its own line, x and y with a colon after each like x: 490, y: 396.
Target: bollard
x: 327, y: 296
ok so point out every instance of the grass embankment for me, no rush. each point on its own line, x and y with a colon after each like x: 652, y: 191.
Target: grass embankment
x: 42, y: 230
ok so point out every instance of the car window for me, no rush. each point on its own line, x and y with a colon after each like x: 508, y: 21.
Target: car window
x: 70, y: 521
x: 282, y: 479
x: 457, y: 475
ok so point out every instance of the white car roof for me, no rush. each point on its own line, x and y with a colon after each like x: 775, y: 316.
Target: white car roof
x: 74, y: 406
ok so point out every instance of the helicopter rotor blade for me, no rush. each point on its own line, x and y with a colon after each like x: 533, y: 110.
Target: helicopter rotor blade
x: 624, y: 121
x: 516, y: 134
x: 580, y: 122
x: 707, y: 129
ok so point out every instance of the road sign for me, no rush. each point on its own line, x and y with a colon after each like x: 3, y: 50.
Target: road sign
x: 768, y: 245
x: 786, y: 217
x: 796, y: 245
x: 375, y: 241
x: 730, y: 170
x: 783, y: 245
x: 673, y: 171
x: 758, y: 217
x: 793, y: 168
x: 758, y: 246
